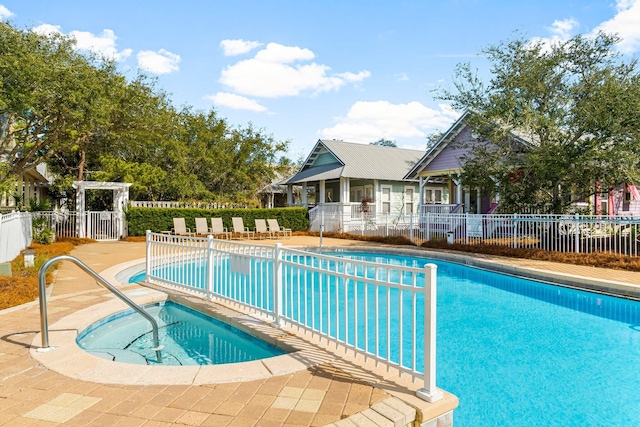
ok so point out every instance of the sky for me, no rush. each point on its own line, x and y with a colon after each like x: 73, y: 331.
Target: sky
x: 303, y: 70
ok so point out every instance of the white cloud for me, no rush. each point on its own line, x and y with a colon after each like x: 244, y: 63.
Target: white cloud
x: 401, y: 77
x: 47, y: 29
x: 160, y: 62
x: 271, y: 73
x: 560, y: 31
x: 238, y: 47
x: 5, y: 13
x: 236, y: 102
x: 626, y: 23
x: 370, y: 121
x: 103, y: 44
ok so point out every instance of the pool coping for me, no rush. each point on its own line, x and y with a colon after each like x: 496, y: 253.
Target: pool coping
x: 67, y: 358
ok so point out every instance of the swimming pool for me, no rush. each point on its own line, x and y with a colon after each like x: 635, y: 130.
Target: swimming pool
x: 188, y: 337
x: 519, y: 353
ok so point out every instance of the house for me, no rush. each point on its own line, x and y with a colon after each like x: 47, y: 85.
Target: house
x: 438, y: 173
x: 352, y: 181
x: 33, y: 184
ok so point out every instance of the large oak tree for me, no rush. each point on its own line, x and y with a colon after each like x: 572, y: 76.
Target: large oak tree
x: 576, y: 104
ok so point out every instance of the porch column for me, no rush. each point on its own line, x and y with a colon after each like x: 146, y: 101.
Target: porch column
x: 81, y: 217
x: 344, y: 190
x: 458, y: 190
x: 289, y: 194
x: 467, y: 200
x: 322, y: 191
x: 421, y: 196
x: 478, y: 202
x: 304, y: 194
x: 376, y: 196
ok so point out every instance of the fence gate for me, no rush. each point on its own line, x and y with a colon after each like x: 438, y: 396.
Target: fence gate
x: 104, y: 225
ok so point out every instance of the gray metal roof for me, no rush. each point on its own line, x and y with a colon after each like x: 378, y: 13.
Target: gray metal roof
x: 357, y: 161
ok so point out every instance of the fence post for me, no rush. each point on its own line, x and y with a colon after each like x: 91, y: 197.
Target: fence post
x: 210, y: 267
x: 428, y: 225
x: 148, y: 253
x: 576, y: 238
x: 411, y: 227
x: 277, y: 285
x: 429, y: 392
x: 386, y: 224
x: 515, y: 230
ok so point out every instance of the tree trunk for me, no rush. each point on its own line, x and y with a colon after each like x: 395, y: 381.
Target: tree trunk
x: 83, y: 155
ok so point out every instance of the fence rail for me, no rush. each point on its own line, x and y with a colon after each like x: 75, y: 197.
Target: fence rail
x: 560, y: 233
x: 174, y: 204
x: 103, y: 225
x: 15, y: 234
x: 382, y: 311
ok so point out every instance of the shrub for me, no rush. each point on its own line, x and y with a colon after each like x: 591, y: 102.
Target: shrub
x: 160, y: 219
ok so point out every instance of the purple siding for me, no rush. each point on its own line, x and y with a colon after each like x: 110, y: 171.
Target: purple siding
x: 450, y: 157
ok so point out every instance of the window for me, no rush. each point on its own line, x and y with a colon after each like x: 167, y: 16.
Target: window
x: 386, y: 199
x: 433, y: 196
x: 408, y: 199
x: 355, y: 194
x: 368, y: 192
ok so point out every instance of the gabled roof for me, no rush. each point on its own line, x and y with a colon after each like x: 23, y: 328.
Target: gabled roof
x: 350, y: 160
x: 444, y: 142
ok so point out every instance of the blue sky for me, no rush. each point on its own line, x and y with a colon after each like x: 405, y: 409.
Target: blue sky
x: 304, y: 70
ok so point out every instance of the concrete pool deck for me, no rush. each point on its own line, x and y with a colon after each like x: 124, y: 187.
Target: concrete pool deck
x: 324, y: 388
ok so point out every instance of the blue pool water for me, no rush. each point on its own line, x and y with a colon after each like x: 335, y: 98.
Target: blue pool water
x: 516, y: 352
x: 189, y: 338
x: 522, y: 353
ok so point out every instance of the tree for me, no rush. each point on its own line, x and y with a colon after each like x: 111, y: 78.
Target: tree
x: 52, y: 98
x: 562, y: 120
x: 384, y: 143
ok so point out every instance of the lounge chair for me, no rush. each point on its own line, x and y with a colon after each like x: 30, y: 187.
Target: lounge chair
x: 218, y: 229
x: 239, y: 230
x: 276, y: 230
x: 202, y: 228
x: 262, y: 230
x: 179, y: 228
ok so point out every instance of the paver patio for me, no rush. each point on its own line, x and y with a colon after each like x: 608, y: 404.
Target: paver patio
x: 31, y: 394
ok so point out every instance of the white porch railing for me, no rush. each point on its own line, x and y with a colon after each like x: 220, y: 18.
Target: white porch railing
x: 15, y: 234
x: 382, y: 311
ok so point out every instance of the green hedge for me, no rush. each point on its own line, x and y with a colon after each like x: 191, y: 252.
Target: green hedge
x: 160, y: 219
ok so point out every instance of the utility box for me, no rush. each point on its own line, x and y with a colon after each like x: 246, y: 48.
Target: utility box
x: 29, y: 257
x: 450, y: 237
x: 5, y: 269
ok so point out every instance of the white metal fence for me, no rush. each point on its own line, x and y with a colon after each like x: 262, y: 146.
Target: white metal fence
x: 103, y: 225
x: 382, y: 311
x: 560, y: 233
x: 15, y: 234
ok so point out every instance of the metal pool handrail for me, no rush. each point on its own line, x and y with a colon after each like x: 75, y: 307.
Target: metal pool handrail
x: 42, y: 298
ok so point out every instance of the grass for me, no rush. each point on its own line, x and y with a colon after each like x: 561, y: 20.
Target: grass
x: 22, y: 286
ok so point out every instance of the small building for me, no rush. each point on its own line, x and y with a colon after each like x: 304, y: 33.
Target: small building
x: 351, y: 182
x: 438, y: 173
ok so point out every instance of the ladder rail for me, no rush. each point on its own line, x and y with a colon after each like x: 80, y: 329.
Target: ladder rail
x: 42, y: 298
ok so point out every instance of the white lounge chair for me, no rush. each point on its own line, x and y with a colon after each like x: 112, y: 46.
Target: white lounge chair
x: 275, y: 228
x: 202, y: 228
x: 179, y: 228
x: 262, y: 230
x: 218, y: 229
x: 239, y: 230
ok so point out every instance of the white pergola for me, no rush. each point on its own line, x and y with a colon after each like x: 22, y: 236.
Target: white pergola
x: 120, y: 200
